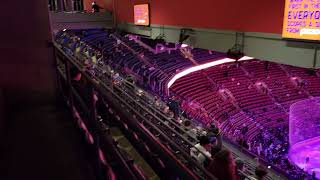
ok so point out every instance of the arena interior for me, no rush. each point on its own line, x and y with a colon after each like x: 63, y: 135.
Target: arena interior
x: 146, y: 89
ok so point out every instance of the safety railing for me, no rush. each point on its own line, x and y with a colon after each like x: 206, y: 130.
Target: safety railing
x: 100, y: 143
x: 136, y: 115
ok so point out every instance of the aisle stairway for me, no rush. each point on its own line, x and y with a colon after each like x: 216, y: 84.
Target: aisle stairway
x: 125, y: 145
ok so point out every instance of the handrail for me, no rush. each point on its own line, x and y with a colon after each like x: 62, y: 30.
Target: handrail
x: 107, y: 139
x: 162, y: 115
x: 133, y: 51
x: 169, y: 120
x: 165, y: 117
x: 98, y: 84
x: 146, y: 107
x: 160, y: 120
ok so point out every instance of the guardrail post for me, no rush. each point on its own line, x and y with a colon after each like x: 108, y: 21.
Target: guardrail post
x: 58, y: 78
x: 69, y: 86
x: 94, y: 129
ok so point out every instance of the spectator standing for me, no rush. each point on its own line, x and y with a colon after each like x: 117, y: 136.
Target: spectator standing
x: 200, y: 151
x: 223, y: 166
x: 95, y: 7
x: 240, y: 168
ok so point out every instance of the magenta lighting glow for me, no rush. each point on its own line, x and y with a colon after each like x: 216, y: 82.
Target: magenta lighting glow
x: 304, y: 134
x: 203, y: 66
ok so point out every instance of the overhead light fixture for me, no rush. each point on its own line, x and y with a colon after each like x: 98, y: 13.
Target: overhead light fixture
x: 198, y: 68
x: 184, y: 45
x: 246, y: 58
x: 201, y: 67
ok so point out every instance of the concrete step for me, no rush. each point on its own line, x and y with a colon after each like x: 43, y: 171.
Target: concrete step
x: 125, y: 145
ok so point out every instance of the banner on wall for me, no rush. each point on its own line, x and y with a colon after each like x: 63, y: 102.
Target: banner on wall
x: 141, y: 15
x: 302, y: 20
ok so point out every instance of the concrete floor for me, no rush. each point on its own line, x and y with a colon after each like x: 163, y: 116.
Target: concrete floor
x: 42, y: 142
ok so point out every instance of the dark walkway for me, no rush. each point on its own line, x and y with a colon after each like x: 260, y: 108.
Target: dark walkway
x: 44, y: 143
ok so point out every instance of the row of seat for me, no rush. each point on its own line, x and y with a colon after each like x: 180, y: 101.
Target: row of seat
x: 228, y: 93
x: 174, y: 139
x: 251, y: 108
x: 115, y: 163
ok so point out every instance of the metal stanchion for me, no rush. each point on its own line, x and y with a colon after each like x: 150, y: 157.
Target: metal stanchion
x: 93, y: 125
x: 69, y: 85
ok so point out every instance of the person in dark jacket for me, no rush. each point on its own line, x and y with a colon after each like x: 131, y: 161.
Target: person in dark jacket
x: 80, y: 86
x: 223, y: 166
x: 95, y: 7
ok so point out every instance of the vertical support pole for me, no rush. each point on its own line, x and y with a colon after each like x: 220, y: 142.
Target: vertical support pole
x: 237, y: 39
x: 67, y: 67
x: 240, y: 41
x: 315, y: 56
x: 81, y: 5
x: 68, y: 5
x: 162, y: 35
x: 60, y: 5
x: 114, y: 14
x: 243, y: 41
x: 58, y: 80
x: 73, y: 5
x: 54, y: 5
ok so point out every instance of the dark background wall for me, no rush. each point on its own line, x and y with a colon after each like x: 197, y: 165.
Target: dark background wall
x: 26, y: 62
x: 240, y: 15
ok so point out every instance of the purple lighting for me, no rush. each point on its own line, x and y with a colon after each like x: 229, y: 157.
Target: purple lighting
x: 304, y: 135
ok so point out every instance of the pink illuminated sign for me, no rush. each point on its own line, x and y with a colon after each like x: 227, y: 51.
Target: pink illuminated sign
x: 141, y: 14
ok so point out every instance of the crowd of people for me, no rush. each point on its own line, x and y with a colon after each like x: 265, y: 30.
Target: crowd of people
x: 270, y: 144
x: 219, y: 161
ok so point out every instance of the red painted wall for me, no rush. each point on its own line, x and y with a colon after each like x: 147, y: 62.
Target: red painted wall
x: 242, y: 15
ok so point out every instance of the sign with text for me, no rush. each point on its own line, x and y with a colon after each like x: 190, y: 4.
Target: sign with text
x: 141, y: 14
x: 302, y: 19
